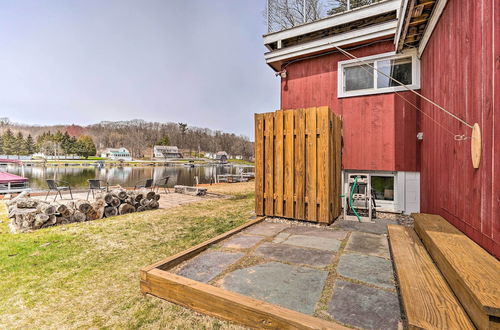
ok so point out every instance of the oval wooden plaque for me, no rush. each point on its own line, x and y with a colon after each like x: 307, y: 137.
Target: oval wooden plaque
x: 475, y: 146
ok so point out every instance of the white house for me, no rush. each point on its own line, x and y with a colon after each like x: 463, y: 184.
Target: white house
x: 163, y: 152
x: 117, y: 154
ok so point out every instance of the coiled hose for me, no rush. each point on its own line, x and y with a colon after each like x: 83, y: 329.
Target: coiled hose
x: 350, y: 198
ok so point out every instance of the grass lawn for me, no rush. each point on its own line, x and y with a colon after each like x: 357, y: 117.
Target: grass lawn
x: 86, y: 275
x: 240, y: 161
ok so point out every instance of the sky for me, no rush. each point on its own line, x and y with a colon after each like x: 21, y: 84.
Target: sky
x: 86, y: 61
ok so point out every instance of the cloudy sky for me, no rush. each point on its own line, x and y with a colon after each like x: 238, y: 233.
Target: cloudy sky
x: 84, y: 61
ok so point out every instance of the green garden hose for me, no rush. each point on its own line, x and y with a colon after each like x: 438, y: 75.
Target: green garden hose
x: 350, y: 198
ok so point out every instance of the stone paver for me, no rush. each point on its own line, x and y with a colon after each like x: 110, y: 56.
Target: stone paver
x: 281, y: 237
x: 242, y: 242
x: 365, y: 307
x: 298, y: 255
x: 371, y: 244
x: 293, y: 287
x: 208, y: 265
x: 316, y: 232
x: 266, y: 228
x: 321, y: 243
x: 378, y: 227
x: 369, y: 269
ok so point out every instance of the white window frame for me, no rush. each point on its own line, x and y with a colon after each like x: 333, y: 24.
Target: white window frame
x: 415, y: 69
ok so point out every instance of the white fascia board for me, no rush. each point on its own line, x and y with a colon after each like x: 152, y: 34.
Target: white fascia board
x: 343, y: 18
x: 359, y: 35
x: 431, y: 25
x: 401, y: 18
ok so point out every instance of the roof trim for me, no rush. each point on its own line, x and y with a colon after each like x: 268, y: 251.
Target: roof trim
x: 356, y: 36
x: 431, y: 25
x: 334, y: 20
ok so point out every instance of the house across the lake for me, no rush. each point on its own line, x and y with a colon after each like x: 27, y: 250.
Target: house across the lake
x: 221, y: 156
x: 117, y: 154
x: 164, y: 152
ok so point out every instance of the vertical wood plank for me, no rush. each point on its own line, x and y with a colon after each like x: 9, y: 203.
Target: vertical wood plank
x: 324, y: 164
x: 278, y: 163
x: 269, y: 164
x: 259, y: 164
x: 311, y: 166
x: 289, y: 163
x: 337, y: 165
x: 299, y: 163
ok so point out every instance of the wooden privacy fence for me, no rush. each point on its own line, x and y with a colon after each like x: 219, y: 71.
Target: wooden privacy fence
x: 298, y: 164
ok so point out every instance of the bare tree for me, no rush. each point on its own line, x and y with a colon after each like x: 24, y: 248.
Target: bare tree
x: 339, y: 6
x: 285, y: 14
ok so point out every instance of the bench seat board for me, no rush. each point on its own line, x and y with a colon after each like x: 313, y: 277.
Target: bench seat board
x: 472, y: 273
x: 428, y: 301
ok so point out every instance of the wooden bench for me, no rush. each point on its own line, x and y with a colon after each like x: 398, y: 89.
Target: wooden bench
x: 428, y: 301
x: 472, y: 273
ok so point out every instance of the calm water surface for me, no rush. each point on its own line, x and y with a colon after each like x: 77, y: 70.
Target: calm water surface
x: 124, y: 176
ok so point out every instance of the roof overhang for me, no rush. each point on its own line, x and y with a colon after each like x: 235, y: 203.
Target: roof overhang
x: 416, y: 23
x: 276, y: 58
x: 360, y: 25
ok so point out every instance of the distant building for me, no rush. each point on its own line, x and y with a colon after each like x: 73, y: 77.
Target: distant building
x: 117, y: 154
x: 221, y: 156
x: 210, y: 155
x: 163, y: 152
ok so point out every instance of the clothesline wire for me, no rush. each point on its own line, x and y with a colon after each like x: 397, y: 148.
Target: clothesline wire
x: 457, y: 137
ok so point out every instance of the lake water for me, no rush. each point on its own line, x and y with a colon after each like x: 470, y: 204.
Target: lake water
x: 124, y: 176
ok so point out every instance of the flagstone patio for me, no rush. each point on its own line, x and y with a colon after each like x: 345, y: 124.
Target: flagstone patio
x: 342, y: 273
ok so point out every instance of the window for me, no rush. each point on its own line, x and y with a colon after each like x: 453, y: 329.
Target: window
x: 374, y: 75
x: 398, y: 69
x: 383, y: 187
x: 358, y: 77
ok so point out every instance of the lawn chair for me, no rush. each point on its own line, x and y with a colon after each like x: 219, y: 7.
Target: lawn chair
x: 148, y: 184
x: 95, y: 184
x: 162, y: 183
x: 54, y: 185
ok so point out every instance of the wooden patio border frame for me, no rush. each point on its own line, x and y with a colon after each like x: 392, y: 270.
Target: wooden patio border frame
x: 214, y: 301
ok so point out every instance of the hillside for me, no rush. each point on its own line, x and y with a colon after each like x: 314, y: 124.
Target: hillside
x: 139, y: 136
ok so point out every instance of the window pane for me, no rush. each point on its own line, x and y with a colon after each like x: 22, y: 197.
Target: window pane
x: 399, y: 69
x: 383, y: 186
x: 358, y: 77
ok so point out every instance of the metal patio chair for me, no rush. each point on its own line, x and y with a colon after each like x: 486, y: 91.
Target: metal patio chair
x: 54, y: 185
x: 148, y: 184
x: 162, y: 183
x: 95, y: 185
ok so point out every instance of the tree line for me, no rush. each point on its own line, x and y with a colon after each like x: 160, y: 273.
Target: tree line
x: 138, y: 136
x: 46, y: 143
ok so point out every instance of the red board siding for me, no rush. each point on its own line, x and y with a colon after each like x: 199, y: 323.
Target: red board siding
x: 461, y: 71
x: 379, y: 130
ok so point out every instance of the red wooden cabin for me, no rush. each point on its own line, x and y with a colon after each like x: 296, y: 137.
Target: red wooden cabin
x: 448, y: 50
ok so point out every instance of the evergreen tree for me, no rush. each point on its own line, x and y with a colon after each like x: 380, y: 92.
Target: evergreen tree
x: 18, y: 147
x: 86, y: 146
x: 8, y: 142
x: 30, y: 145
x: 67, y: 144
x: 164, y: 141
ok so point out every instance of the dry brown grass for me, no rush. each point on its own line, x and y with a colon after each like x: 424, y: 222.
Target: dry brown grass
x: 86, y: 275
x: 231, y: 188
